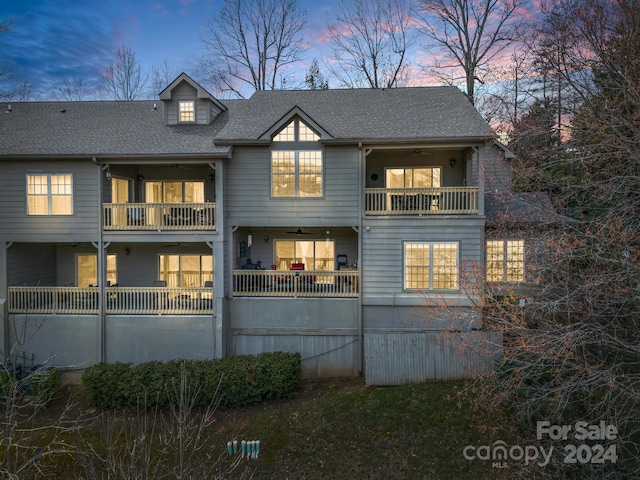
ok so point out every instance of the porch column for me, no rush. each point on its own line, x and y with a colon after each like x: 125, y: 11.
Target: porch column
x: 219, y: 273
x: 4, y: 315
x: 478, y: 159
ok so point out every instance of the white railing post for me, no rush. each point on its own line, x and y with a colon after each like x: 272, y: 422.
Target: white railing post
x: 159, y: 216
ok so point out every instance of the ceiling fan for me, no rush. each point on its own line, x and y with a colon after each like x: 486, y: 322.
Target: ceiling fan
x: 179, y: 244
x: 300, y: 232
x: 176, y: 166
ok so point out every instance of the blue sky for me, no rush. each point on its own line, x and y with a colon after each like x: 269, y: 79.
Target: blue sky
x: 54, y: 40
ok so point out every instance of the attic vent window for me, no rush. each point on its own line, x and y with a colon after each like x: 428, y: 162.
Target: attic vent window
x: 296, y: 131
x: 187, y: 111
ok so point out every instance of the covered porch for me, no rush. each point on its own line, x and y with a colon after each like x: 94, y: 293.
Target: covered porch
x: 320, y: 262
x: 424, y: 181
x: 116, y: 300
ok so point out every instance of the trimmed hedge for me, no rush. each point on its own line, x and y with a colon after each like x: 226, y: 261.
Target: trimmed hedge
x: 233, y: 381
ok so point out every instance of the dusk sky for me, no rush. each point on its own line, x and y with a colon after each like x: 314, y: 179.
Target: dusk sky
x: 53, y: 40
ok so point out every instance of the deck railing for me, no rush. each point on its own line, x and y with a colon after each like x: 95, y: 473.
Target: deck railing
x: 159, y: 216
x: 301, y: 283
x: 117, y: 300
x: 421, y: 201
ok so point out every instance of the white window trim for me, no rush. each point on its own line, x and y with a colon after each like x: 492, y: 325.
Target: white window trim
x: 430, y: 288
x: 297, y: 147
x: 296, y: 132
x: 180, y: 111
x: 296, y: 173
x: 49, y: 195
x: 505, y: 262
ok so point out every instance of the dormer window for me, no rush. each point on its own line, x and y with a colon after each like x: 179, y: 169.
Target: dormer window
x: 187, y: 111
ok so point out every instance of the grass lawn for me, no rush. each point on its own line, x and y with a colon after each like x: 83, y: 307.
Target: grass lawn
x: 332, y: 429
x: 342, y: 429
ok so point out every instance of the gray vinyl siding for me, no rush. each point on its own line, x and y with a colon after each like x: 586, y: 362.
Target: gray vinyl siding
x: 82, y: 225
x: 382, y: 251
x: 182, y: 92
x: 31, y: 264
x: 248, y: 198
x: 205, y: 110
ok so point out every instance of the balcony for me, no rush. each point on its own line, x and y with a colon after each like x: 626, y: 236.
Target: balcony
x: 118, y: 300
x: 287, y: 283
x: 421, y: 201
x: 159, y: 216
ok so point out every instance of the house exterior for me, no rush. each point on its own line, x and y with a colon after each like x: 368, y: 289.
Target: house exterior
x: 347, y: 225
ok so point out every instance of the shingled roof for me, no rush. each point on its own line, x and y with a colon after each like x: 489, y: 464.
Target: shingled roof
x: 102, y: 128
x: 514, y: 209
x: 369, y: 115
x: 138, y: 128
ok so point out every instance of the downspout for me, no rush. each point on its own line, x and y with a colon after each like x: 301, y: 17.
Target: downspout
x: 101, y: 277
x: 361, y: 174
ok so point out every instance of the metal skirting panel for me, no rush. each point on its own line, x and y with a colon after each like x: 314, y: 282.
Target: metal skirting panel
x: 323, y: 356
x: 397, y: 358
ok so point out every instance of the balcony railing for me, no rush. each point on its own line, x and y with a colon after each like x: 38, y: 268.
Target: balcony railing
x: 159, y: 216
x: 117, y: 300
x: 421, y: 201
x: 286, y: 283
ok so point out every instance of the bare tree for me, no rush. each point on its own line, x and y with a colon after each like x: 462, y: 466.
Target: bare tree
x: 250, y: 43
x: 72, y: 90
x: 5, y: 64
x: 11, y: 89
x: 31, y: 441
x: 123, y: 79
x: 573, y: 353
x: 152, y: 443
x: 469, y: 33
x: 510, y: 90
x: 161, y: 75
x: 370, y: 40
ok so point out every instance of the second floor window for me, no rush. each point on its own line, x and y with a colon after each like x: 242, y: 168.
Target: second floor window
x: 296, y: 174
x: 174, y: 192
x: 296, y: 162
x: 50, y: 194
x: 430, y: 266
x: 422, y: 177
x: 187, y: 112
x: 505, y: 261
x: 120, y: 190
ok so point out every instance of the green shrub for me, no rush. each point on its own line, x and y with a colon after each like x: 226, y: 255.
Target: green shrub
x: 232, y: 381
x: 105, y: 384
x: 239, y: 384
x: 280, y: 374
x: 6, y: 382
